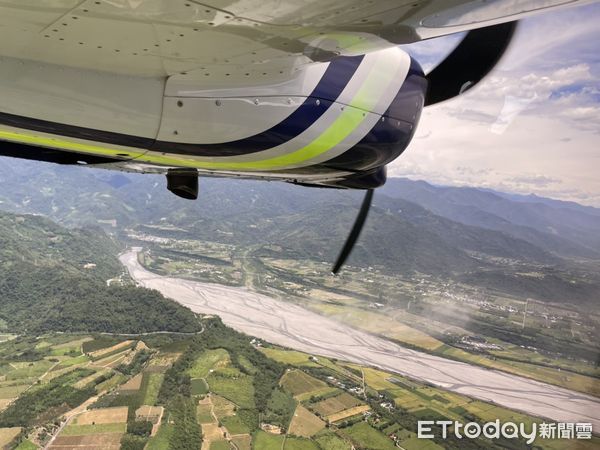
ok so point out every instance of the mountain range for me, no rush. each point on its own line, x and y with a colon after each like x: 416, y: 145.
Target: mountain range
x: 414, y: 227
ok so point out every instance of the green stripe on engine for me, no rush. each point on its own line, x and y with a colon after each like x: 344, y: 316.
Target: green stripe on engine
x: 350, y: 118
x: 62, y: 144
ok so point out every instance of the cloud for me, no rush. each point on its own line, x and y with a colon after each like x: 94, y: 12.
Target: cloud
x: 532, y: 126
x: 535, y: 180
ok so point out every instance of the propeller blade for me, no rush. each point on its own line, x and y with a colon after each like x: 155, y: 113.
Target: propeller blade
x: 469, y: 63
x: 355, y: 233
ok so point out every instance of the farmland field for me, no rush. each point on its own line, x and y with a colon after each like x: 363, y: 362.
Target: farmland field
x: 151, y: 383
x: 198, y: 386
x: 109, y: 361
x: 305, y: 423
x: 348, y: 413
x: 7, y: 435
x: 222, y: 406
x: 91, y: 378
x: 365, y: 436
x: 104, y: 441
x: 28, y: 370
x: 415, y: 443
x: 336, y: 404
x: 267, y: 441
x: 331, y: 441
x: 375, y: 378
x: 99, y: 343
x: 69, y: 347
x: 299, y: 444
x: 133, y: 384
x: 211, y: 432
x: 161, y: 440
x: 207, y: 361
x: 220, y: 445
x: 148, y: 413
x: 203, y: 414
x: 297, y: 382
x: 26, y: 445
x: 239, y: 390
x: 102, y: 416
x: 291, y: 357
x: 12, y: 391
x: 80, y: 430
x: 111, y: 383
x: 234, y: 425
x: 109, y: 351
x: 243, y: 442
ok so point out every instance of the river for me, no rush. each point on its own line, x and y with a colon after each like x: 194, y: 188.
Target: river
x: 292, y: 326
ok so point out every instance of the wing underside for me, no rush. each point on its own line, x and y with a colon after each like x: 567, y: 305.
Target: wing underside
x: 232, y: 43
x: 180, y: 83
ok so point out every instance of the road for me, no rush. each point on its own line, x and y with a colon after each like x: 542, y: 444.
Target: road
x: 290, y: 325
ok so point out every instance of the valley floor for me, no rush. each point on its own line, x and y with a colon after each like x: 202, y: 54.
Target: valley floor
x: 292, y: 326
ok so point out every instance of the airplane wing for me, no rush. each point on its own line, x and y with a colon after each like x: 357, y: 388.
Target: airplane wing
x: 313, y: 92
x: 235, y: 86
x: 232, y: 42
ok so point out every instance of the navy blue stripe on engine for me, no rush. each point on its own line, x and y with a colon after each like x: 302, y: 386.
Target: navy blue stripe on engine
x: 329, y: 88
x: 390, y: 136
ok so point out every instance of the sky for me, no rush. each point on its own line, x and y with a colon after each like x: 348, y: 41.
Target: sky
x: 532, y: 126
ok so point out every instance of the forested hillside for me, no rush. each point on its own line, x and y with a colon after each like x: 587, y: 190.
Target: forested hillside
x: 55, y: 279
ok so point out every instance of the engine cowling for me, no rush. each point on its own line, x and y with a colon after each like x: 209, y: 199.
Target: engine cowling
x: 353, y: 114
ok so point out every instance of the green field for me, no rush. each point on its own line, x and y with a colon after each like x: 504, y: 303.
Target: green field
x: 243, y: 442
x: 151, y: 385
x: 72, y: 362
x: 235, y: 425
x: 291, y: 403
x: 415, y: 443
x: 69, y: 347
x: 220, y: 445
x: 161, y: 440
x: 266, y: 441
x: 203, y: 414
x: 292, y: 443
x: 198, y: 386
x: 239, y: 390
x: 330, y: 441
x: 28, y: 369
x: 207, y: 361
x: 12, y: 391
x: 26, y: 445
x: 111, y: 383
x: 297, y: 382
x: 291, y: 357
x: 365, y: 436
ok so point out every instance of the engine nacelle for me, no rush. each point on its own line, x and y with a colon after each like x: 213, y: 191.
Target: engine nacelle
x: 353, y: 114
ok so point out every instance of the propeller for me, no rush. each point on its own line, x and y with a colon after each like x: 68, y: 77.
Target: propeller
x: 355, y: 233
x: 474, y: 57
